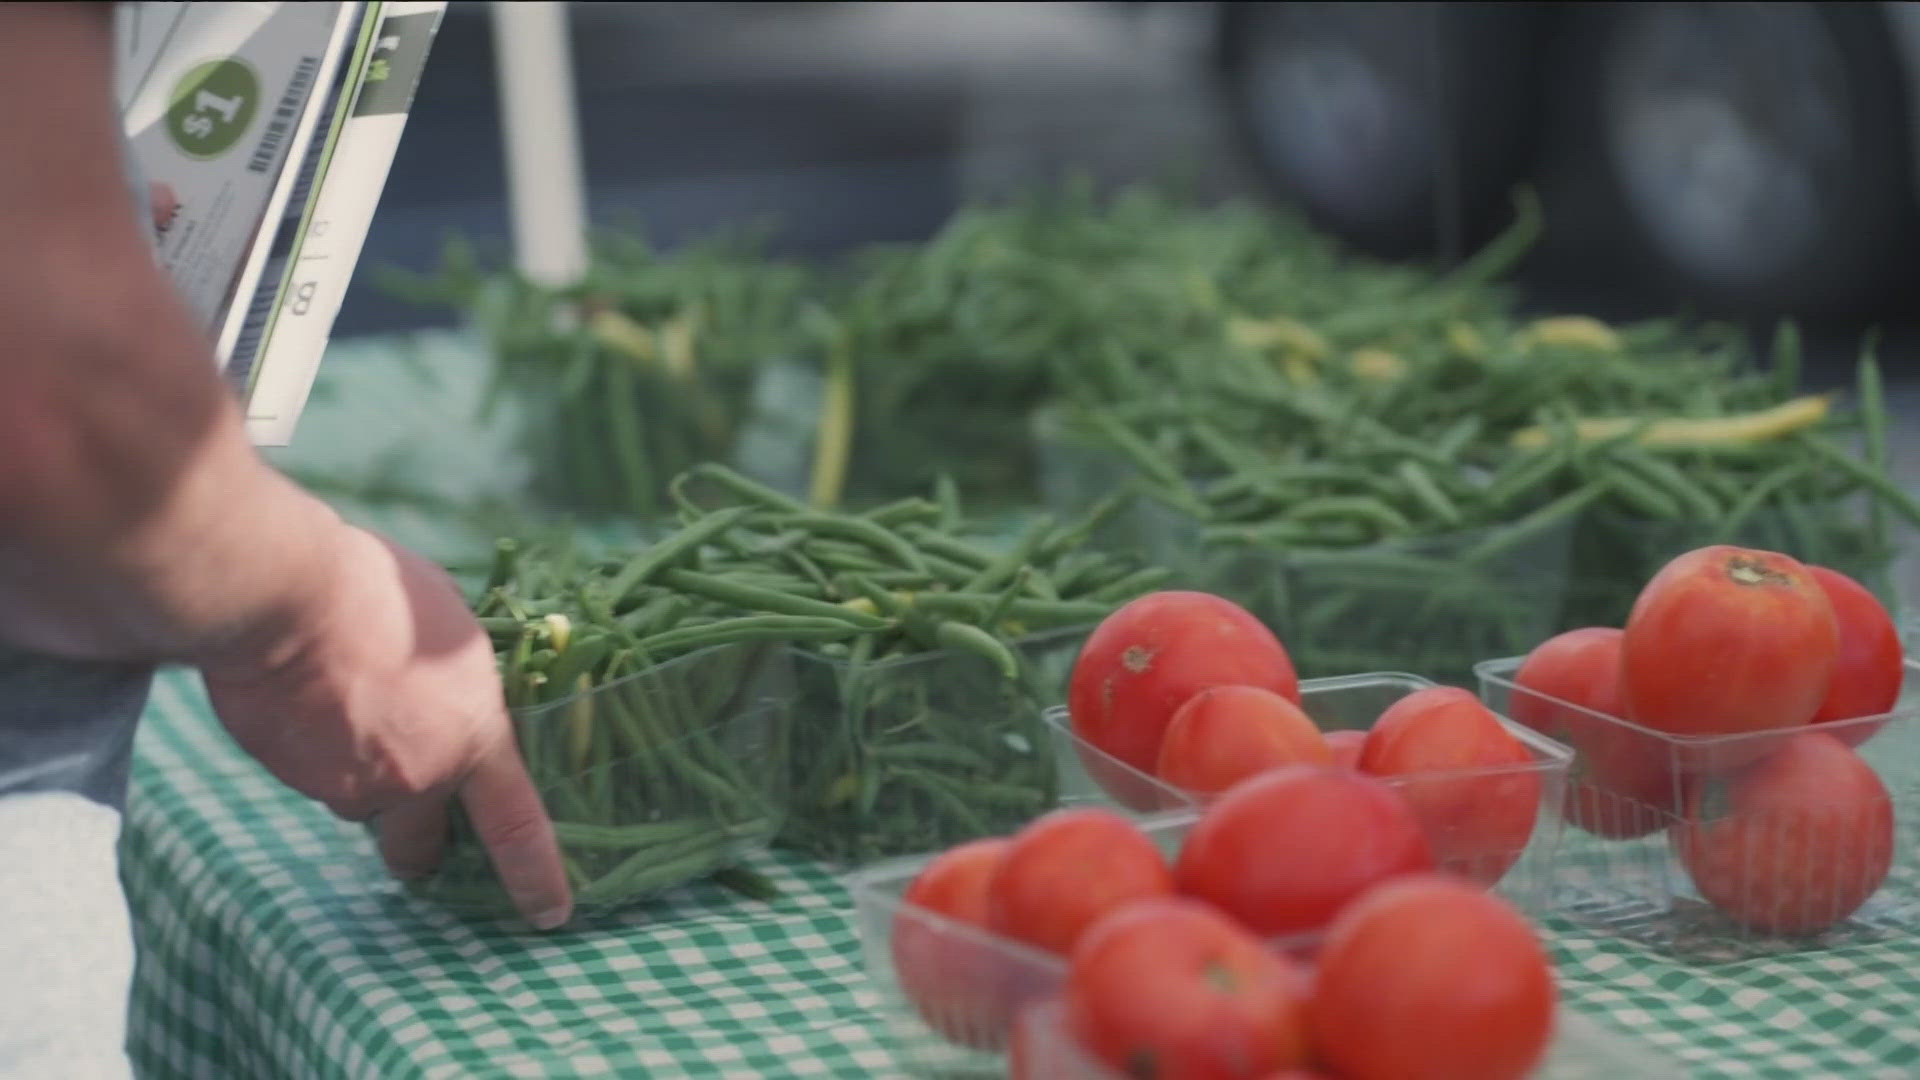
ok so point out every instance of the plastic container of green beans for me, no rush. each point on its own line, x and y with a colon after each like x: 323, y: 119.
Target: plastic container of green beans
x: 653, y: 780
x: 1432, y: 606
x: 911, y: 754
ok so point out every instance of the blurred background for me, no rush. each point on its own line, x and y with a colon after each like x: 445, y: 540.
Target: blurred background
x: 1320, y: 179
x: 1747, y: 159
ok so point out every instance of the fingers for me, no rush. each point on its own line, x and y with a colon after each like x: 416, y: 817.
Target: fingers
x: 512, y: 825
x: 412, y: 835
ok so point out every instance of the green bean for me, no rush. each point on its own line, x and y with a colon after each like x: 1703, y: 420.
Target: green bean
x: 862, y: 531
x: 1643, y: 496
x: 1872, y: 479
x: 1365, y: 508
x: 1533, y: 525
x: 937, y: 754
x: 1786, y: 358
x: 506, y: 554
x: 748, y: 883
x: 664, y: 554
x: 958, y: 551
x: 1873, y: 418
x: 755, y: 598
x: 1132, y: 585
x: 904, y: 511
x: 1428, y: 493
x: 964, y: 638
x: 751, y: 490
x: 1702, y: 505
x: 996, y: 573
x: 936, y: 789
x: 653, y: 869
x: 1757, y: 494
x: 1522, y: 474
x: 628, y: 455
x: 979, y: 606
x: 748, y: 628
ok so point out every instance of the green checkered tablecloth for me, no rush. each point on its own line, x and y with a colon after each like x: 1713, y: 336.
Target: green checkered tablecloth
x: 271, y: 945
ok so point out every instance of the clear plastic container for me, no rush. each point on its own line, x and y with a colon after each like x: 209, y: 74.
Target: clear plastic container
x: 1432, y: 606
x: 1581, y: 1050
x: 652, y: 780
x: 916, y: 753
x: 1477, y: 828
x: 959, y: 1021
x: 1671, y: 845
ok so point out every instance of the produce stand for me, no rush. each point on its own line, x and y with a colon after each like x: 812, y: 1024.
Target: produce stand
x: 272, y: 945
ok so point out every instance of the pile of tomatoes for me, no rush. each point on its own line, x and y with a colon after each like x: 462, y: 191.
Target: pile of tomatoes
x: 1193, y: 690
x: 1195, y: 968
x: 1309, y: 920
x: 1727, y: 712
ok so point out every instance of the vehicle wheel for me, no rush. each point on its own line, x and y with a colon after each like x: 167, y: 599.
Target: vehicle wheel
x: 1400, y: 126
x: 1760, y: 149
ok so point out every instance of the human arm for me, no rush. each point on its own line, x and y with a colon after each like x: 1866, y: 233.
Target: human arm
x: 138, y: 523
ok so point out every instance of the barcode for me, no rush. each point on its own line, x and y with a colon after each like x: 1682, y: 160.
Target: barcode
x: 284, y: 116
x: 246, y: 349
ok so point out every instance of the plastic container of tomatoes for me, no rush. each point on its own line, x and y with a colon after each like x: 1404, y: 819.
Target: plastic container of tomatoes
x: 1506, y: 832
x: 1581, y: 1050
x: 1698, y: 845
x: 949, y: 992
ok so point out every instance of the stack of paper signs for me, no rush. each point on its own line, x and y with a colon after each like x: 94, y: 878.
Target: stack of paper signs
x: 264, y: 133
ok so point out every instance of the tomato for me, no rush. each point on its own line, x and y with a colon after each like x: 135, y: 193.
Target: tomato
x: 1346, y: 745
x: 1065, y: 870
x: 958, y: 984
x: 1224, y: 734
x: 1284, y: 851
x: 1795, y: 842
x: 1621, y: 785
x: 1173, y: 990
x: 1151, y: 656
x: 1428, y: 978
x: 1726, y: 640
x: 1470, y: 782
x: 1870, y: 664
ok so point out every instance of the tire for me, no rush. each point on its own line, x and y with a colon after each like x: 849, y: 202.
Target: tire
x: 1759, y: 151
x: 1401, y: 127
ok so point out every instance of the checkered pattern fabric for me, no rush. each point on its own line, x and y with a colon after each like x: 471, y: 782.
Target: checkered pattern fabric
x: 272, y: 945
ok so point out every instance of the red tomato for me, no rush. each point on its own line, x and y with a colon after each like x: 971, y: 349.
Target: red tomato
x: 1726, y: 640
x: 958, y: 984
x: 1622, y: 780
x: 1346, y: 745
x: 1470, y: 782
x: 1173, y: 990
x: 1151, y: 656
x: 1428, y: 978
x: 1224, y: 734
x: 1795, y: 842
x: 1869, y: 667
x: 1284, y: 851
x: 1067, y: 869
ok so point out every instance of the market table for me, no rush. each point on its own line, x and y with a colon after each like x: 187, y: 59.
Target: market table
x: 271, y: 945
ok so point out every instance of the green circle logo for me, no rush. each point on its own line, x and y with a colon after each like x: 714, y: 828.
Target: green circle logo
x: 212, y: 106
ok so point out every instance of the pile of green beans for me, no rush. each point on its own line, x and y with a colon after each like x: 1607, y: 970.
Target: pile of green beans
x: 640, y: 370
x: 1403, y: 523
x: 866, y: 684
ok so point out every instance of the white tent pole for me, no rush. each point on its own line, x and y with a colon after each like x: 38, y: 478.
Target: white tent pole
x: 541, y: 132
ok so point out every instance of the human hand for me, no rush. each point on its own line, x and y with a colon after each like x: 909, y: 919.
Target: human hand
x: 381, y: 701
